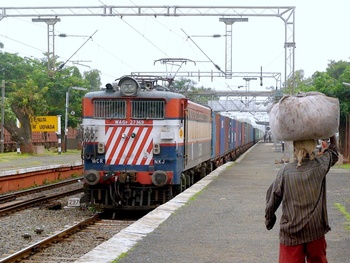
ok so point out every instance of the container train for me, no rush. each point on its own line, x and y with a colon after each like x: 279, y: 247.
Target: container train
x: 143, y: 144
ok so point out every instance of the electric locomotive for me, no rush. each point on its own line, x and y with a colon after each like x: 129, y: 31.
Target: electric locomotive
x: 142, y: 144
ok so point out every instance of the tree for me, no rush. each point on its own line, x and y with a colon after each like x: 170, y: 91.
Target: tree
x: 330, y: 82
x: 300, y: 83
x: 57, y: 88
x: 94, y: 79
x: 182, y: 85
x: 336, y: 69
x: 31, y: 92
x: 23, y: 95
x: 188, y: 88
x: 25, y: 101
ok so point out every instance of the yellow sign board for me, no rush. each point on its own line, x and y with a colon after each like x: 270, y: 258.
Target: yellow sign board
x: 44, y: 123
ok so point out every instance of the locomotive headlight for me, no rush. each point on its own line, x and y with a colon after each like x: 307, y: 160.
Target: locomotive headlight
x: 91, y: 177
x: 128, y: 86
x: 159, y: 178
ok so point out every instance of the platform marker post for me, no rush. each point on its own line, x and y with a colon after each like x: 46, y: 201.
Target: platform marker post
x: 59, y: 137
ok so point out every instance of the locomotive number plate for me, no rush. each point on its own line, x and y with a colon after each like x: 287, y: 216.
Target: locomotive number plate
x: 132, y: 122
x: 73, y: 202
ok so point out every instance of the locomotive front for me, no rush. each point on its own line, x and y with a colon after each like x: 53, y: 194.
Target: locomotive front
x: 133, y: 145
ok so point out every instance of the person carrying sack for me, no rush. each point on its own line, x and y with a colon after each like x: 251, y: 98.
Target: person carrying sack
x: 301, y: 189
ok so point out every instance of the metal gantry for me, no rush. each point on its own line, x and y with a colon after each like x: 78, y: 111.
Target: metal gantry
x: 228, y: 43
x: 285, y: 13
x: 212, y: 75
x: 237, y: 100
x: 50, y: 22
x: 243, y: 100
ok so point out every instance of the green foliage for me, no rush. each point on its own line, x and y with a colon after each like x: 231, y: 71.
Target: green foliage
x: 30, y: 91
x: 329, y: 82
x: 300, y: 83
x: 94, y: 79
x: 28, y: 97
x: 336, y: 69
x: 188, y: 88
x: 182, y: 85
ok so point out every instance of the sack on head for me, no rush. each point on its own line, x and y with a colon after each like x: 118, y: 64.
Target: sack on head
x: 310, y: 115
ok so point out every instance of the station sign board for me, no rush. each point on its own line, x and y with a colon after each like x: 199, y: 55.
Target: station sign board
x: 44, y: 124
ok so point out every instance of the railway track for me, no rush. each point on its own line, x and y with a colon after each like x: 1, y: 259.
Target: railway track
x: 80, y: 238
x: 36, y: 240
x: 11, y: 207
x: 10, y: 204
x: 7, y: 198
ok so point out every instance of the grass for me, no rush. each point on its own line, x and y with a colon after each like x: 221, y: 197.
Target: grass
x: 122, y: 255
x: 14, y: 161
x: 346, y: 214
x: 194, y: 197
x: 344, y: 166
x: 5, y: 157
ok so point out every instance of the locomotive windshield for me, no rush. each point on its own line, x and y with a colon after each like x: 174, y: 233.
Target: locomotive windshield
x: 153, y: 109
x: 140, y: 109
x: 107, y: 109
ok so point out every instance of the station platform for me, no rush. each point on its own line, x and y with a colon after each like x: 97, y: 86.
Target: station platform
x: 13, y: 163
x: 220, y: 219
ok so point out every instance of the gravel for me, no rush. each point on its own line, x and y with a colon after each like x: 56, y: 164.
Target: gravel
x: 18, y: 230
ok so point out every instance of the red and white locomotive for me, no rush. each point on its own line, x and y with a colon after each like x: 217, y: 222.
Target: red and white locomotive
x: 143, y: 144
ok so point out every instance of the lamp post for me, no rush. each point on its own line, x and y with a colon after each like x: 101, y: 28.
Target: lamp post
x: 66, y: 117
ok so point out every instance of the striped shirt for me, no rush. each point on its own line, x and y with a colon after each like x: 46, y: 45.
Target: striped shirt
x: 302, y: 192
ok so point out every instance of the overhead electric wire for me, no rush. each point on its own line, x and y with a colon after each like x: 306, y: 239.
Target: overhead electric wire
x: 158, y: 48
x: 21, y: 43
x: 174, y: 32
x: 110, y: 53
x: 215, y: 65
x: 148, y: 40
x: 90, y: 37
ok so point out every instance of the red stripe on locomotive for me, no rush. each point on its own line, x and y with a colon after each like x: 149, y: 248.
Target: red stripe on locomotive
x: 124, y: 149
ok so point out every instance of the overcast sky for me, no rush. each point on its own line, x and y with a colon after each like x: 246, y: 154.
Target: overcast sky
x: 132, y: 44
